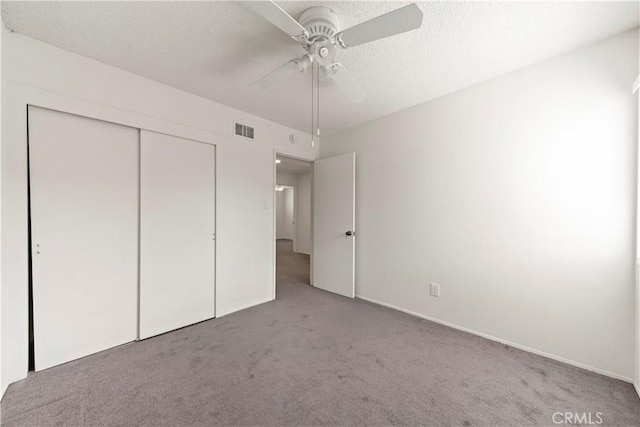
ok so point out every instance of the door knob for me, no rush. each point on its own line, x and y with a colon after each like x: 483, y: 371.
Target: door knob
x: 350, y: 233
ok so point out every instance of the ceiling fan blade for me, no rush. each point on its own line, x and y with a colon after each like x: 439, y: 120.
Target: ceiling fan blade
x: 279, y: 74
x: 278, y: 17
x: 347, y: 84
x: 401, y: 20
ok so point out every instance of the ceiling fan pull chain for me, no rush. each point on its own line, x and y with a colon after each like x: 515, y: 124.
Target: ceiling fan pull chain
x: 313, y: 68
x: 318, y: 101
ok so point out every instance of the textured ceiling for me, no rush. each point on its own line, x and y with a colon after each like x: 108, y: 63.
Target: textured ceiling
x: 218, y: 49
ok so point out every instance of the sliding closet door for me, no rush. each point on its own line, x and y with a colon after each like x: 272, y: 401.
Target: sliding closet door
x: 177, y: 233
x: 84, y: 220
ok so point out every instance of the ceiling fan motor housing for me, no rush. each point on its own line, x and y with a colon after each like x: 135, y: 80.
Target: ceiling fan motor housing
x: 321, y: 22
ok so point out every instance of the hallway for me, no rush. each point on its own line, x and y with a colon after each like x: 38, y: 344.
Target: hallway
x: 292, y: 269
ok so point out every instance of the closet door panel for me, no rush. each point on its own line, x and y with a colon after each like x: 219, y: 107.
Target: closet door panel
x: 177, y: 233
x: 84, y: 221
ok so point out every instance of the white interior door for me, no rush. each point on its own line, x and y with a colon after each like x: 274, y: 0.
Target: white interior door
x: 177, y: 233
x: 334, y: 224
x: 84, y: 219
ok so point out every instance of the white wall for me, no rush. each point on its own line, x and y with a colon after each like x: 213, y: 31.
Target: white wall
x: 518, y: 197
x: 301, y: 182
x: 38, y: 74
x: 3, y: 387
x: 303, y: 213
x: 636, y: 375
x: 636, y: 378
x: 285, y: 225
x: 286, y: 178
x: 285, y: 214
x: 280, y: 214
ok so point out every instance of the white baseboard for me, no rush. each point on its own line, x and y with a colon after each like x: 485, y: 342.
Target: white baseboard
x: 637, y: 387
x: 500, y: 340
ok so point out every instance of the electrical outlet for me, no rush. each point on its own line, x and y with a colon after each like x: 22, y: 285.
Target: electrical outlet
x: 435, y: 290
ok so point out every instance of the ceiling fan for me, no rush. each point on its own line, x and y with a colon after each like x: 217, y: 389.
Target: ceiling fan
x: 319, y: 32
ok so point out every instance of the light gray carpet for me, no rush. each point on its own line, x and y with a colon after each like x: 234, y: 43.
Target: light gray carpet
x: 312, y: 358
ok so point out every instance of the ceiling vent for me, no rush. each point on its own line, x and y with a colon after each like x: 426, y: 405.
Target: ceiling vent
x: 244, y: 131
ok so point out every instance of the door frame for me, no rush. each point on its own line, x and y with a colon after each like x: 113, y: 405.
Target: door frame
x: 277, y: 153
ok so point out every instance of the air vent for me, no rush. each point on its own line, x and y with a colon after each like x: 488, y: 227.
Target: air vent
x: 244, y: 131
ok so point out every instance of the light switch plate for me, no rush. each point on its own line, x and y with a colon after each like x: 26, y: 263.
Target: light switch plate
x: 435, y: 290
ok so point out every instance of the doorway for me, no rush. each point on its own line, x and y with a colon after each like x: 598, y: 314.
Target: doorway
x: 293, y: 224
